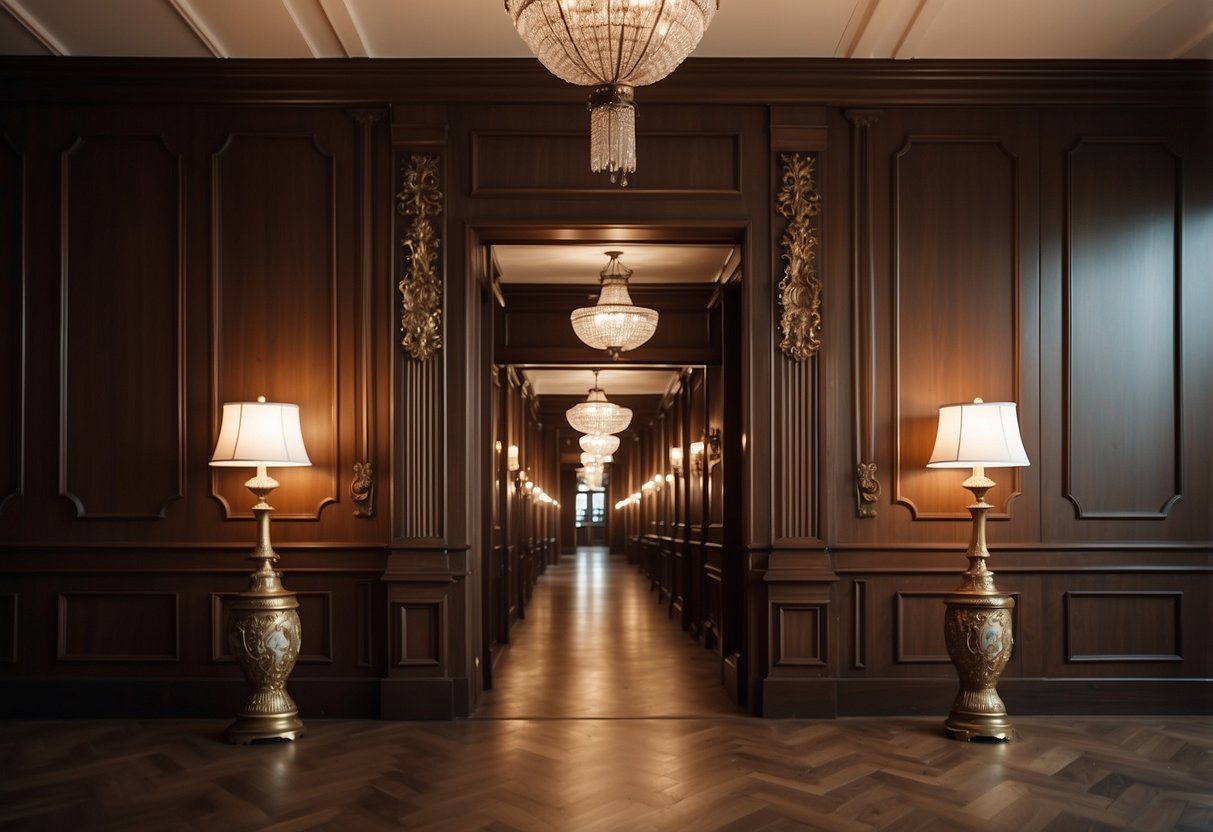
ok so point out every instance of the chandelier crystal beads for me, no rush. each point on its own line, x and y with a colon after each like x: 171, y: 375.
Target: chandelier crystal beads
x: 597, y: 415
x: 614, y: 323
x: 613, y: 46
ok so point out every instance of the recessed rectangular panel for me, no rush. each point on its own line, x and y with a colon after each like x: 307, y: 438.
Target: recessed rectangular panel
x: 118, y: 627
x: 557, y: 163
x: 956, y: 269
x: 122, y: 451
x: 275, y: 319
x: 918, y: 628
x: 1123, y: 626
x: 419, y: 632
x: 8, y: 626
x: 12, y: 330
x: 315, y: 627
x: 1122, y: 450
x: 799, y: 634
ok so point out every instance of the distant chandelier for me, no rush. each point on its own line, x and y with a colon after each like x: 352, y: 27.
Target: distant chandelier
x: 597, y: 415
x: 614, y: 323
x: 613, y: 46
x: 599, y: 444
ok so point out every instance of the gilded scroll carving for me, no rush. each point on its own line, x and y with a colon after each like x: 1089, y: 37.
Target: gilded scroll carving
x: 867, y: 488
x: 362, y: 489
x: 421, y: 284
x: 799, y: 201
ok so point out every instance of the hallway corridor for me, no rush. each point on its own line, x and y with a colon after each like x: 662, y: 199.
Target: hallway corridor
x: 596, y: 644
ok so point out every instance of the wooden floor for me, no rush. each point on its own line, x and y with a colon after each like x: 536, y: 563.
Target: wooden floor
x: 590, y: 729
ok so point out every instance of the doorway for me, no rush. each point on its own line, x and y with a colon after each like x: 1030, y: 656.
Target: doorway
x: 541, y: 528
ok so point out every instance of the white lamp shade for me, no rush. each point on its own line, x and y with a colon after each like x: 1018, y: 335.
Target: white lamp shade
x: 978, y: 434
x: 260, y: 433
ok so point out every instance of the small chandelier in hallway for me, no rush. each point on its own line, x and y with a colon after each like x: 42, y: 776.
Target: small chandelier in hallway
x: 599, y: 444
x: 596, y: 415
x: 613, y: 46
x: 614, y: 323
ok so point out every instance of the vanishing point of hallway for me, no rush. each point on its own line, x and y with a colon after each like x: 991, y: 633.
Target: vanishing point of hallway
x: 606, y: 716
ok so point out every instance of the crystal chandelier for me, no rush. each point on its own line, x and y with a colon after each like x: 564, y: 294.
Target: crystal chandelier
x: 614, y: 323
x: 597, y: 415
x: 591, y: 477
x: 613, y: 46
x: 599, y: 444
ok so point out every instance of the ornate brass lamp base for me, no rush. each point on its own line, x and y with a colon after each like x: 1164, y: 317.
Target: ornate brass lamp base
x: 977, y: 629
x: 978, y: 632
x: 264, y: 635
x: 263, y: 631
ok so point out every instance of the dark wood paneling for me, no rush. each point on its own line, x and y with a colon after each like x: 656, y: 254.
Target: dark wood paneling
x: 1123, y: 456
x: 918, y: 624
x: 550, y: 163
x: 420, y: 630
x: 8, y: 627
x: 713, y: 81
x: 275, y: 284
x: 799, y: 634
x: 1137, y: 626
x: 955, y: 261
x: 12, y: 319
x: 118, y: 627
x: 122, y: 451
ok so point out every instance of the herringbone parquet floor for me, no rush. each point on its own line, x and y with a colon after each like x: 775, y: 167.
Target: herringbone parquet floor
x: 628, y: 761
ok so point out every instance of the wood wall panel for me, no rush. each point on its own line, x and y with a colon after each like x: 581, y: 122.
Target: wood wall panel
x: 918, y: 624
x: 275, y: 299
x: 420, y: 631
x: 1123, y: 455
x: 316, y: 627
x: 799, y: 634
x: 956, y: 274
x: 555, y: 163
x: 1132, y: 626
x: 8, y: 627
x: 119, y: 627
x: 795, y: 453
x: 12, y: 319
x: 122, y: 446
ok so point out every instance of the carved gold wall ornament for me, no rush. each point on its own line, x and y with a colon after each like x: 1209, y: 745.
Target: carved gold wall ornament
x: 421, y: 283
x: 867, y: 488
x: 799, y: 201
x: 362, y: 489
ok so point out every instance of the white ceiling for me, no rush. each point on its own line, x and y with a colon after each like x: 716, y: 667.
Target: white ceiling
x: 582, y: 263
x: 577, y: 381
x: 481, y: 29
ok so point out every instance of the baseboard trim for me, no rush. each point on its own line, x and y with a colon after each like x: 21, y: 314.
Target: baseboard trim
x: 424, y: 699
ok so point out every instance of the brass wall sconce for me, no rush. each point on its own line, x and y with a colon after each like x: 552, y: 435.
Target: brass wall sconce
x: 978, y: 623
x: 511, y: 458
x: 697, y: 458
x: 263, y: 625
x: 676, y: 460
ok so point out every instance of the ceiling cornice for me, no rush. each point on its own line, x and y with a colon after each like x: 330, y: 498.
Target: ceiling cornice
x: 823, y: 81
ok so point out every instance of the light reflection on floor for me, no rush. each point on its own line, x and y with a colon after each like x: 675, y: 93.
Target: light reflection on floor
x: 596, y: 643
